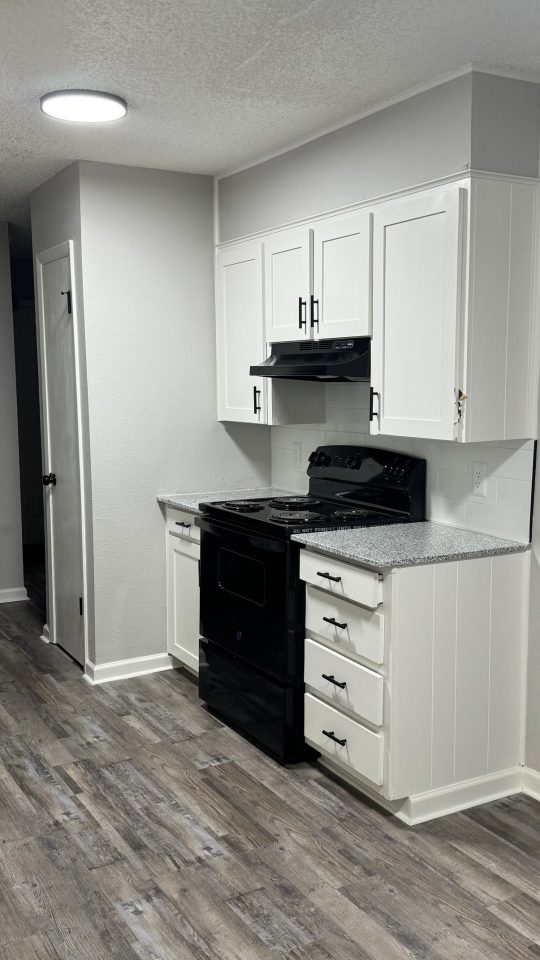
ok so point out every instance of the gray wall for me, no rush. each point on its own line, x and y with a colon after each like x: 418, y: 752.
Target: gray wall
x: 11, y: 561
x: 477, y: 120
x: 144, y: 246
x: 504, y: 125
x: 147, y: 263
x: 426, y: 136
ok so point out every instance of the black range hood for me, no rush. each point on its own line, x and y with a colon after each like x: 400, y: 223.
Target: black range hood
x: 346, y: 359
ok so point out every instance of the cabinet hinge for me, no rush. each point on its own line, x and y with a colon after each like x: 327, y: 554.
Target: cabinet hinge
x: 460, y: 403
x: 81, y: 606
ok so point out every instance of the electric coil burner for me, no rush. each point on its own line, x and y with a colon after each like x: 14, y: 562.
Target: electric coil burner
x: 252, y: 600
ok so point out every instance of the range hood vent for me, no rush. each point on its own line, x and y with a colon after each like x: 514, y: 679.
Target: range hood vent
x: 329, y: 360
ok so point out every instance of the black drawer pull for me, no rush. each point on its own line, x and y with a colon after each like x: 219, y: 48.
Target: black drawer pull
x: 332, y: 679
x: 328, y: 576
x: 330, y: 733
x: 333, y: 621
x: 180, y: 523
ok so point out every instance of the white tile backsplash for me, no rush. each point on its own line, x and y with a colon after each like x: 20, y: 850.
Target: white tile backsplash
x: 504, y: 512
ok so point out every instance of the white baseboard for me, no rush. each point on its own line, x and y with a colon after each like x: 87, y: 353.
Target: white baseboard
x: 460, y: 796
x: 123, y: 669
x: 12, y: 594
x: 531, y: 782
x: 438, y: 803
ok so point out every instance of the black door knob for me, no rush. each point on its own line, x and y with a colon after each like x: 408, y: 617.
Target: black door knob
x: 49, y: 478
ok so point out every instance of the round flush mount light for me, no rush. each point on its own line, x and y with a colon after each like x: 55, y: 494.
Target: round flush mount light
x: 83, y: 106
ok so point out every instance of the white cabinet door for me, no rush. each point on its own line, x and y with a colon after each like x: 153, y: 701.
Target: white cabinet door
x: 240, y: 332
x: 183, y: 600
x: 342, y: 276
x: 417, y: 267
x: 288, y: 285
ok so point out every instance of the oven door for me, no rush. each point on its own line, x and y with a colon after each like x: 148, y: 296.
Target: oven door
x: 245, y: 591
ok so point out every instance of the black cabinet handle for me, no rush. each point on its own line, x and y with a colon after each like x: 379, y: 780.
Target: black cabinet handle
x: 373, y: 393
x: 314, y: 319
x: 302, y: 306
x: 256, y: 404
x: 180, y: 523
x: 49, y: 479
x: 328, y: 576
x: 332, y: 679
x: 330, y: 734
x: 342, y: 626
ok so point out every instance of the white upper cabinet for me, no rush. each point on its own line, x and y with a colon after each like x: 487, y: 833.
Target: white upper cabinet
x: 454, y: 352
x: 288, y: 285
x: 240, y: 331
x: 417, y: 264
x: 342, y: 276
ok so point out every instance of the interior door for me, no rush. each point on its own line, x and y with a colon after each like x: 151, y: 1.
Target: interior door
x: 240, y: 332
x: 288, y: 285
x: 61, y: 458
x: 342, y: 276
x: 417, y: 264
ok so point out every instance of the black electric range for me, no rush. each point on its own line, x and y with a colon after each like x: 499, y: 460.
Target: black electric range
x: 252, y: 600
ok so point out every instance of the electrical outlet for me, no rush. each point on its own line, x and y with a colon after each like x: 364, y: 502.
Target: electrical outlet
x: 297, y: 454
x: 479, y: 478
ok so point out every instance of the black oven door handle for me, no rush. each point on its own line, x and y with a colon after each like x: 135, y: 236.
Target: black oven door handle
x: 332, y: 736
x: 332, y: 679
x: 242, y: 538
x: 333, y: 621
x: 328, y: 576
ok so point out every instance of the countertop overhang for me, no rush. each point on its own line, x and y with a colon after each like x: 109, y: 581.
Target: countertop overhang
x: 407, y: 544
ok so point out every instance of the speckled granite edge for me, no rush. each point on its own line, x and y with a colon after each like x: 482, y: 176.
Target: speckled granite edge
x: 189, y: 502
x: 407, y: 545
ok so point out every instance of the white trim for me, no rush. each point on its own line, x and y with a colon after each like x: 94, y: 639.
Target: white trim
x: 377, y: 108
x: 13, y: 594
x: 123, y: 669
x: 466, y: 174
x: 444, y: 800
x: 45, y: 636
x: 60, y: 250
x: 531, y: 782
x: 461, y: 796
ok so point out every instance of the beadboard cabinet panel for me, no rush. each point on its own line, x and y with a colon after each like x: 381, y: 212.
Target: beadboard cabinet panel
x: 499, y: 311
x: 457, y: 647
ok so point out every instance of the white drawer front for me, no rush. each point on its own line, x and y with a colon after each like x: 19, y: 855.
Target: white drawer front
x: 183, y: 525
x: 341, y: 579
x: 363, y: 750
x: 348, y: 628
x: 353, y: 687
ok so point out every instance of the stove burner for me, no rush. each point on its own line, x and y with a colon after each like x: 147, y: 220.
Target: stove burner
x: 353, y: 512
x: 243, y: 506
x: 301, y: 516
x: 293, y: 503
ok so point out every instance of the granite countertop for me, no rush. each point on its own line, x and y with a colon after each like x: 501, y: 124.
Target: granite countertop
x: 407, y: 544
x: 190, y: 501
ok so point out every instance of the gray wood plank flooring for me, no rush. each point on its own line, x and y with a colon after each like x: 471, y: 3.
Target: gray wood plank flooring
x: 134, y: 826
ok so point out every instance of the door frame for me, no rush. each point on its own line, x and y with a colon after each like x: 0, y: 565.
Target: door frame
x: 44, y: 257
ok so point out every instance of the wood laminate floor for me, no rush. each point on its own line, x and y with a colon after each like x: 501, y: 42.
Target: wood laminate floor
x: 133, y: 825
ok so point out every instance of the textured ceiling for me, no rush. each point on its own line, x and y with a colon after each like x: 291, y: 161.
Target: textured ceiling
x: 214, y: 84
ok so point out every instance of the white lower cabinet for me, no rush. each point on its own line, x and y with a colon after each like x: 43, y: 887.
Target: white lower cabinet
x: 183, y: 555
x: 418, y: 699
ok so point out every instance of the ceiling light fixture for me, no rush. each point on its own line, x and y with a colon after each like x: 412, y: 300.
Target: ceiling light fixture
x: 83, y: 106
